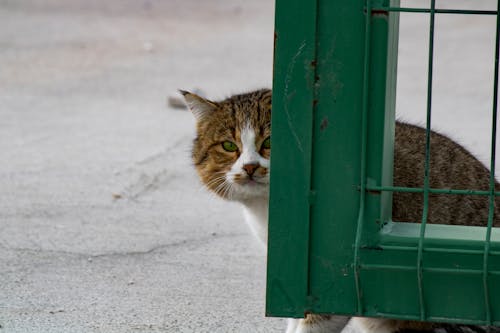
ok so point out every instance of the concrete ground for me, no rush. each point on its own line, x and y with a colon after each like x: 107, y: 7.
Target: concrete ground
x: 104, y: 226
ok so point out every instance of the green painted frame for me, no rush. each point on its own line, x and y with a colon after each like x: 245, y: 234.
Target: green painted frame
x: 332, y: 245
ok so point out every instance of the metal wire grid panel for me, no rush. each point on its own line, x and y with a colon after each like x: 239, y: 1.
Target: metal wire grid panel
x: 333, y: 132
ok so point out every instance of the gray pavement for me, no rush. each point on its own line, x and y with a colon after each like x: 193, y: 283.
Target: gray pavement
x: 104, y: 226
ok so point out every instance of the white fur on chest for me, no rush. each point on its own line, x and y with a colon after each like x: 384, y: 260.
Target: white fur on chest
x: 255, y: 212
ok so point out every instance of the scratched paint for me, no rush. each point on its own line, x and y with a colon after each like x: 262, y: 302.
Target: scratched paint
x: 286, y: 95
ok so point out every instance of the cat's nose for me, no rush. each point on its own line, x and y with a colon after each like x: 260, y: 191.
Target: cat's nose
x: 250, y: 168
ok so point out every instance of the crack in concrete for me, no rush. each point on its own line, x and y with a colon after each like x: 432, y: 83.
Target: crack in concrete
x: 89, y: 256
x: 148, y: 174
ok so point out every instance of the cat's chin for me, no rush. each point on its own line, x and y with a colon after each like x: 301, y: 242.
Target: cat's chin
x: 250, y: 190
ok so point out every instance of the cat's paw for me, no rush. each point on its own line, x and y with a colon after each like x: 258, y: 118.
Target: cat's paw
x: 317, y: 324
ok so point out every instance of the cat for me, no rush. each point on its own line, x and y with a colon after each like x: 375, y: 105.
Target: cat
x: 232, y: 150
x: 231, y: 154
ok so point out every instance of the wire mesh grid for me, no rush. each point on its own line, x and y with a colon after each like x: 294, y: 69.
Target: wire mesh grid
x: 418, y: 269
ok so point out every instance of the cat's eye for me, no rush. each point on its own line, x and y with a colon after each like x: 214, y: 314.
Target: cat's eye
x: 267, y: 143
x: 229, y: 146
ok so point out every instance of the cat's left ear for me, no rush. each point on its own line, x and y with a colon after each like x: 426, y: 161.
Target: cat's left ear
x: 200, y: 107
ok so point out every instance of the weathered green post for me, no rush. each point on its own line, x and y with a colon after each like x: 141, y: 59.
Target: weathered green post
x: 318, y: 129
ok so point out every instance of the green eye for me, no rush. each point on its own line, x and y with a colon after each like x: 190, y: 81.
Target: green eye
x: 229, y: 146
x: 267, y: 143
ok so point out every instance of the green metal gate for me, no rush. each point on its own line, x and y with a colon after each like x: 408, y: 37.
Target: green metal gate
x: 332, y: 245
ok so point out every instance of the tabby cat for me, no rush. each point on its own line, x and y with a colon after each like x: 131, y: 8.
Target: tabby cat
x: 231, y: 154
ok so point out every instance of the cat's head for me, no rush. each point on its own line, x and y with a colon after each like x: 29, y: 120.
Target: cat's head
x: 233, y: 145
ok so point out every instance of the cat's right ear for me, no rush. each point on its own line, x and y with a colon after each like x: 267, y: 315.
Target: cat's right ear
x: 200, y: 107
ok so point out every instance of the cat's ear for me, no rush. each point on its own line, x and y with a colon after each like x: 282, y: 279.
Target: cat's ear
x: 200, y: 107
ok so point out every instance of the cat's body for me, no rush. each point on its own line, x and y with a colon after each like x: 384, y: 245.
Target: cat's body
x: 451, y: 167
x: 231, y: 154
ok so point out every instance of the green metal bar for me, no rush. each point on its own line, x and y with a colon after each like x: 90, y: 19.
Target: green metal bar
x: 432, y: 318
x: 398, y: 316
x: 437, y: 11
x: 431, y: 190
x: 387, y: 267
x: 337, y: 119
x: 487, y: 244
x: 399, y: 248
x: 314, y: 107
x: 292, y: 121
x: 430, y: 249
x: 359, y: 227
x: 457, y: 251
x: 427, y: 164
x: 436, y: 319
x: 437, y: 236
x: 426, y: 269
x: 455, y: 271
x: 457, y: 321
